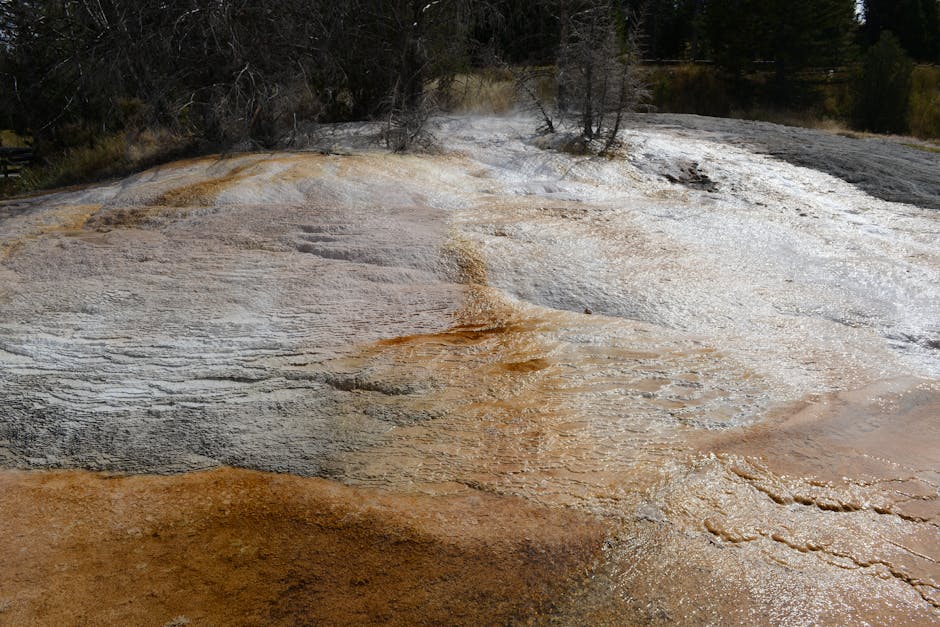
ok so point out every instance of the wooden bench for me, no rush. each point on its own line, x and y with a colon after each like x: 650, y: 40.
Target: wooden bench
x: 12, y: 160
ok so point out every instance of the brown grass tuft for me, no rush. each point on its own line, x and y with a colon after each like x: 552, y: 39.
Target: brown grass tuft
x: 483, y: 92
x: 924, y: 110
x: 108, y: 157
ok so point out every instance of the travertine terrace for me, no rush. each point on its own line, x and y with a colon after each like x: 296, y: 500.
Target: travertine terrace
x: 697, y: 380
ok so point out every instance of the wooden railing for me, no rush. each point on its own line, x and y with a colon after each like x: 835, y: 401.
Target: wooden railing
x: 12, y: 160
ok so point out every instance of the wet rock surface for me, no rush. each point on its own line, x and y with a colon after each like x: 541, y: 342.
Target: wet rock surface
x: 714, y: 368
x: 239, y: 547
x: 890, y: 168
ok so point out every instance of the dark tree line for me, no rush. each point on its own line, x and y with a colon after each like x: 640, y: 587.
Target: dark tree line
x: 915, y: 24
x: 782, y: 39
x: 738, y: 32
x: 227, y: 70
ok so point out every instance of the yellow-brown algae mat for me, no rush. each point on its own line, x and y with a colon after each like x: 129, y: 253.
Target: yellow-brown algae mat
x: 236, y: 547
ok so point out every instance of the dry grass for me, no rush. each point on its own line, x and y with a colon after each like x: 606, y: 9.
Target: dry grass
x: 924, y: 147
x: 689, y: 89
x: 11, y: 139
x: 111, y: 156
x: 484, y: 92
x: 498, y: 91
x: 791, y: 117
x: 11, y: 185
x: 924, y: 110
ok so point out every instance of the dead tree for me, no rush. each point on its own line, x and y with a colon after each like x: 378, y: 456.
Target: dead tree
x: 597, y: 70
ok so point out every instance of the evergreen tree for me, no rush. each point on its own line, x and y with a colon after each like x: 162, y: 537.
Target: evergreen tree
x: 788, y: 34
x: 668, y: 27
x: 882, y: 88
x: 521, y: 32
x: 915, y: 23
x: 735, y: 32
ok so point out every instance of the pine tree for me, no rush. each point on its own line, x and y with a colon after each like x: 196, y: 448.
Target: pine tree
x: 915, y: 23
x: 789, y: 34
x: 667, y: 27
x: 882, y: 89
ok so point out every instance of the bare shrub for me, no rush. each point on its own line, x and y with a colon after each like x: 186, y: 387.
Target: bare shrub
x: 598, y: 79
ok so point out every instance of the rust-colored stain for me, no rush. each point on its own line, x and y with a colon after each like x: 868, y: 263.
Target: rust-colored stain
x: 131, y: 217
x: 204, y: 193
x: 467, y: 259
x: 236, y: 547
x: 457, y: 335
x: 529, y: 365
x: 66, y: 220
x: 71, y: 218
